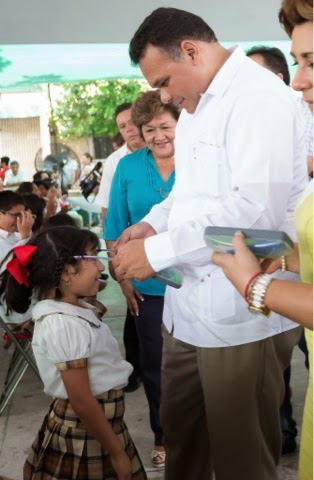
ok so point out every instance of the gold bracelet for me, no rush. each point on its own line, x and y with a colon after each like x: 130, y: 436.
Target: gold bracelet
x: 283, y: 263
x: 257, y: 294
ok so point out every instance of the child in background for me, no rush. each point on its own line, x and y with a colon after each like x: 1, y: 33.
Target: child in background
x: 83, y: 436
x: 15, y: 223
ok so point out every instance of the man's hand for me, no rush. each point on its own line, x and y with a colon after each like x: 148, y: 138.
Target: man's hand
x: 25, y: 224
x: 136, y: 231
x: 131, y: 261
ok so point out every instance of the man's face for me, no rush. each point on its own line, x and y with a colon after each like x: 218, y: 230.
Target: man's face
x: 14, y: 168
x: 180, y: 82
x: 128, y: 130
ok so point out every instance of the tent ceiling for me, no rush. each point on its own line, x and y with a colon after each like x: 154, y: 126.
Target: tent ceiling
x: 24, y: 67
x: 106, y: 21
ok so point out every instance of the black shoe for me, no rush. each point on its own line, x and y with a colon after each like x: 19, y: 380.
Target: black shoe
x: 288, y: 446
x: 133, y: 384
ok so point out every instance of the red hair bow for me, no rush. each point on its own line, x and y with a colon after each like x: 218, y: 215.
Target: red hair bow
x: 17, y: 266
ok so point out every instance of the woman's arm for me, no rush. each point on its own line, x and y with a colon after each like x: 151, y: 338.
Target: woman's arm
x: 86, y: 406
x: 290, y: 299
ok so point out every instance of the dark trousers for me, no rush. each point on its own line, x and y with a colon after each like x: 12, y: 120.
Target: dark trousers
x: 148, y: 325
x: 131, y: 343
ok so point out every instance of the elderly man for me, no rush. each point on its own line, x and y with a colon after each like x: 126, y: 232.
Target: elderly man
x: 14, y: 176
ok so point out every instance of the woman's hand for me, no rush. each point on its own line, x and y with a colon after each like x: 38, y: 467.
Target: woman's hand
x: 130, y: 294
x: 121, y: 465
x: 239, y: 267
x: 292, y: 262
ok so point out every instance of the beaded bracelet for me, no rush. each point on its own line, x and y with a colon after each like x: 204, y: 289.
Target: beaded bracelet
x: 283, y: 263
x: 257, y: 294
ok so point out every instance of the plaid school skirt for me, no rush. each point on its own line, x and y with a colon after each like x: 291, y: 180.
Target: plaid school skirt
x: 64, y: 450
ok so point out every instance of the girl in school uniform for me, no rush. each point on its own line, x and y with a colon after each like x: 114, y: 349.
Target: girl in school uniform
x: 83, y: 436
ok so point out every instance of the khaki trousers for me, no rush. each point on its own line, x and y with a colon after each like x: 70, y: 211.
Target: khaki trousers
x: 220, y: 408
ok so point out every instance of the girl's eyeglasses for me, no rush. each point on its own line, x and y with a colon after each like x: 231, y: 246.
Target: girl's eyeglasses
x: 15, y: 215
x: 95, y: 257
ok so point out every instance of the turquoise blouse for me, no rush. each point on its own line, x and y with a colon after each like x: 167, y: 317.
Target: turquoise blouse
x: 136, y: 187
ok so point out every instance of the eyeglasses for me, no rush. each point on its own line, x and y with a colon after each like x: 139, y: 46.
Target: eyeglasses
x: 95, y: 258
x: 16, y: 215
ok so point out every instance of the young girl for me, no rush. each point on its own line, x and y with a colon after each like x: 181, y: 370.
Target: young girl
x: 83, y: 436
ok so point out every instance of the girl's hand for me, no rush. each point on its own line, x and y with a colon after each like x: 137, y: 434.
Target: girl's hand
x: 240, y: 266
x: 130, y: 294
x: 121, y: 465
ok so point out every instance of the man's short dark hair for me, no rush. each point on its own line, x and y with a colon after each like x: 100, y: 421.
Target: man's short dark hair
x: 10, y: 199
x: 5, y: 160
x: 122, y: 108
x: 166, y: 28
x: 274, y: 60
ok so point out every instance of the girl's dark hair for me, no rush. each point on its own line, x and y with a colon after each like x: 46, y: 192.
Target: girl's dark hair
x: 56, y: 248
x: 25, y: 187
x: 60, y: 219
x: 37, y: 206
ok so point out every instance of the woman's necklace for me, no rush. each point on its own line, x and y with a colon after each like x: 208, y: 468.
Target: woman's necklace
x: 165, y: 167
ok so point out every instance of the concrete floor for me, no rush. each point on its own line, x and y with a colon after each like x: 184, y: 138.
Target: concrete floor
x: 22, y: 417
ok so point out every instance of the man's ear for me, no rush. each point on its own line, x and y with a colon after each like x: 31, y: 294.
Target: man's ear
x: 280, y: 75
x: 190, y: 50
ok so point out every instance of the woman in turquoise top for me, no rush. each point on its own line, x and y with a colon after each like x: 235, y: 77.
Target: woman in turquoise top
x: 143, y: 179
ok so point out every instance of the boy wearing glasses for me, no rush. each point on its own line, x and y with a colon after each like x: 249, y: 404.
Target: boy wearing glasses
x: 15, y: 222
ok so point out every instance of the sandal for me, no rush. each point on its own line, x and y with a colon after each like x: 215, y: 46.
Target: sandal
x: 158, y: 458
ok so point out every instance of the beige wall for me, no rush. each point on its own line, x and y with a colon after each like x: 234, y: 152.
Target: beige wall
x: 79, y: 145
x: 20, y: 140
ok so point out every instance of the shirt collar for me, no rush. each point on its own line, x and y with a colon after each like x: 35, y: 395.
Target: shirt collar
x: 6, y: 234
x: 85, y: 310
x: 225, y: 75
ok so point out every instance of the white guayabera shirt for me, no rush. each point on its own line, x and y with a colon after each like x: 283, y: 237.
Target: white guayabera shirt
x: 110, y: 166
x: 240, y: 162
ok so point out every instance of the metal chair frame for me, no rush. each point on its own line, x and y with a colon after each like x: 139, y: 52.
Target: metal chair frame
x: 21, y: 359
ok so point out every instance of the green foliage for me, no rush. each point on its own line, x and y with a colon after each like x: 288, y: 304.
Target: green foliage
x: 87, y: 108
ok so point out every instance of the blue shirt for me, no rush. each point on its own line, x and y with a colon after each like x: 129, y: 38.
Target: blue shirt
x: 136, y: 187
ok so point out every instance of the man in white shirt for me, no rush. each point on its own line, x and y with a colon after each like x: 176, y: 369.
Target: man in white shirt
x: 133, y: 142
x: 15, y: 176
x: 239, y: 159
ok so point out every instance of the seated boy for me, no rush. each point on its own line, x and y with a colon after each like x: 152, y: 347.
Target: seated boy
x: 15, y: 229
x: 15, y: 222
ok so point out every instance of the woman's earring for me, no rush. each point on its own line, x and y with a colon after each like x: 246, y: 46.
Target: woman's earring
x: 68, y: 283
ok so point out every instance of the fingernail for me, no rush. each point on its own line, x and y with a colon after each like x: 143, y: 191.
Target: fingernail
x: 142, y: 299
x: 238, y: 233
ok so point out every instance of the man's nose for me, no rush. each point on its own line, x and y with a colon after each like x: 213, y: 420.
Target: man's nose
x: 165, y: 97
